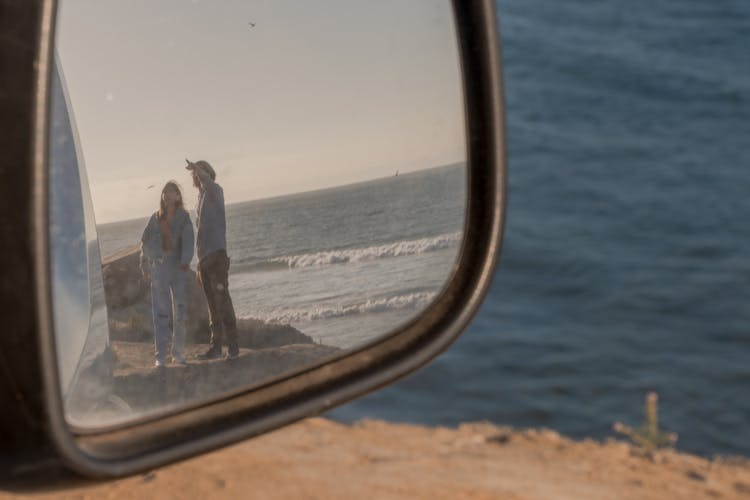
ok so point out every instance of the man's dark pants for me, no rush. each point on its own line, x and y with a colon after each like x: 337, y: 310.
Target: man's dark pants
x: 214, y: 269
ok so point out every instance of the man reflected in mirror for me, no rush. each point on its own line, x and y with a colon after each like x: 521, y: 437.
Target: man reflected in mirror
x: 213, y: 261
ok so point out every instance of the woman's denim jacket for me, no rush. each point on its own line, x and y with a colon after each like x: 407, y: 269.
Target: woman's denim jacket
x: 181, y: 233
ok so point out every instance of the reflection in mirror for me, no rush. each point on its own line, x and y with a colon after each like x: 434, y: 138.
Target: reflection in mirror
x: 273, y: 183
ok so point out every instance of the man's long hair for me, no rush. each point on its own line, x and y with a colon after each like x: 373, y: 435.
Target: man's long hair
x: 202, y: 164
x: 162, y: 201
x: 207, y: 167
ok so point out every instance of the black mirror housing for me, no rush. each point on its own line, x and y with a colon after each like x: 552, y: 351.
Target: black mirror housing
x: 34, y: 437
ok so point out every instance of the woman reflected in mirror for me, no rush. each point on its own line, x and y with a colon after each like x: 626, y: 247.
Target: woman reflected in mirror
x: 167, y: 247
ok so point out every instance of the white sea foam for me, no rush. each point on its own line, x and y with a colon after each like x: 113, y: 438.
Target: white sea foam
x: 317, y: 312
x: 397, y: 249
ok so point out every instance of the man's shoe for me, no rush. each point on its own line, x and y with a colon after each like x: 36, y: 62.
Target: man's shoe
x: 211, y: 353
x: 232, y: 353
x: 159, y: 363
x: 178, y: 360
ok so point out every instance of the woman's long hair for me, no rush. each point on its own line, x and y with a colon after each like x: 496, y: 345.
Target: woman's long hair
x: 162, y: 201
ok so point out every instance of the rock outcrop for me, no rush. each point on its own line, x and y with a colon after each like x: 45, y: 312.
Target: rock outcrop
x: 145, y: 388
x: 128, y: 295
x: 267, y: 350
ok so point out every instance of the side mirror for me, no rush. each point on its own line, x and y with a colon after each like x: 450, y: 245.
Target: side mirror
x: 86, y: 385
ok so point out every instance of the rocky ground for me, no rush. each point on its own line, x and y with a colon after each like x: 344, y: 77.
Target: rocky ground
x: 145, y: 388
x: 266, y: 349
x: 321, y: 459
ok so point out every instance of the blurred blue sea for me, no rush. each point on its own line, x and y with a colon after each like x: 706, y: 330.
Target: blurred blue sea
x: 625, y: 266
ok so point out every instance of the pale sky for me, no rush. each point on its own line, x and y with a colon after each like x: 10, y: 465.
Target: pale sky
x: 319, y: 93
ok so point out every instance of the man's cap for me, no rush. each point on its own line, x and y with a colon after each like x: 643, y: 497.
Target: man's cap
x: 201, y: 164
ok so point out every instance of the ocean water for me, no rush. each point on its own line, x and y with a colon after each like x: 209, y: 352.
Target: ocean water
x: 626, y: 264
x: 343, y: 265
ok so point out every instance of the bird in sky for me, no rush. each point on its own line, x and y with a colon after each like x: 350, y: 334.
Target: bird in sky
x: 252, y: 25
x: 150, y: 186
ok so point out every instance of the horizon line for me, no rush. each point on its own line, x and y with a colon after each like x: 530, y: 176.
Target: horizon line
x: 320, y: 189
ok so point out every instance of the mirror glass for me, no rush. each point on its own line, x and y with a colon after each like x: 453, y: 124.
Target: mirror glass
x: 271, y: 184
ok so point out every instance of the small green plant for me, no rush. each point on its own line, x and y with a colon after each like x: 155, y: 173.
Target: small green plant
x: 648, y: 436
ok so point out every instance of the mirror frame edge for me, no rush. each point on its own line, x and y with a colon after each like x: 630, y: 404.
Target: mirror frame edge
x: 25, y: 44
x: 209, y: 427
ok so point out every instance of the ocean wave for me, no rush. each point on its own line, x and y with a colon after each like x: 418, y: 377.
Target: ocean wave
x: 417, y: 300
x: 397, y: 249
x: 268, y: 265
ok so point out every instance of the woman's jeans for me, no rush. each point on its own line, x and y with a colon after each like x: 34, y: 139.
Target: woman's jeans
x: 168, y: 291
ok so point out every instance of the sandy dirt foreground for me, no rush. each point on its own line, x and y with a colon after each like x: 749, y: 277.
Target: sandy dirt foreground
x: 321, y: 459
